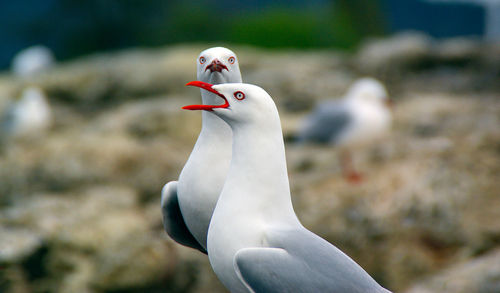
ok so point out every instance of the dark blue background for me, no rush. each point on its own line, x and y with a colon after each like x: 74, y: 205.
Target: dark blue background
x: 76, y: 27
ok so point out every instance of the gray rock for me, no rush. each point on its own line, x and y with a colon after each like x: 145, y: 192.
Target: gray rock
x: 398, y: 51
x: 17, y: 244
x: 147, y: 261
x: 98, y: 237
x: 459, y: 49
x: 481, y: 274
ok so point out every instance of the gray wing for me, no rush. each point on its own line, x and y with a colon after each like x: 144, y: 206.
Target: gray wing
x: 173, y: 222
x: 7, y: 120
x: 325, y: 123
x: 301, y: 261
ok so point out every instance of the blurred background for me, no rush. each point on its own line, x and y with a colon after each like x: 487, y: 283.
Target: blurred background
x: 74, y: 28
x: 91, y: 129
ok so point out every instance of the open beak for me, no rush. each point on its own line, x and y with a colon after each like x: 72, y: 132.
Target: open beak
x: 208, y: 87
x: 216, y: 65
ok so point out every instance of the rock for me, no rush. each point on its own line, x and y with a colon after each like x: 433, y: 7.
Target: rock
x: 54, y: 216
x: 290, y: 77
x: 481, y: 274
x: 95, y: 238
x: 102, y: 79
x: 458, y: 50
x: 17, y: 244
x: 397, y: 52
x: 146, y: 262
x: 152, y: 118
x: 61, y: 162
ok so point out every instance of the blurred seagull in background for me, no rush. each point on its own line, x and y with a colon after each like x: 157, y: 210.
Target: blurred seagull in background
x: 357, y: 120
x: 30, y: 116
x: 188, y: 204
x: 32, y: 60
x: 256, y: 243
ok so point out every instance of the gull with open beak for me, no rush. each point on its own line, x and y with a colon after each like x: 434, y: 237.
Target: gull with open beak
x: 255, y: 241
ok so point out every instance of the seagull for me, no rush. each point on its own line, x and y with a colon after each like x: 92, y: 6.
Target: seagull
x: 30, y: 116
x: 188, y: 204
x: 360, y: 118
x: 32, y: 60
x: 256, y: 243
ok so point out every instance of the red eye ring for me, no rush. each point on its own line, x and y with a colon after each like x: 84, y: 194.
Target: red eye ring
x: 202, y: 60
x: 239, y: 95
x: 231, y: 59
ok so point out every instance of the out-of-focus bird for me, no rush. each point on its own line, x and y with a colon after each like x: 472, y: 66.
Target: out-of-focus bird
x: 32, y: 60
x: 357, y: 120
x: 256, y: 243
x: 29, y: 116
x: 188, y: 204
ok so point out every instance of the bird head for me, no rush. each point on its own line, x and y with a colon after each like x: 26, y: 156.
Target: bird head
x: 218, y: 65
x: 369, y: 90
x: 242, y: 102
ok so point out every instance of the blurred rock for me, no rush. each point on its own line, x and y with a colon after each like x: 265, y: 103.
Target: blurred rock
x: 17, y: 244
x: 398, y: 52
x: 104, y: 79
x: 289, y: 77
x: 481, y: 274
x: 152, y: 118
x: 414, y: 61
x: 458, y: 49
x: 142, y: 263
x: 68, y: 160
x: 96, y: 238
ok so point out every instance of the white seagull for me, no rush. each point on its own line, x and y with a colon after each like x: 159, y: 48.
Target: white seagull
x: 188, y: 204
x: 255, y: 241
x: 29, y: 117
x: 32, y: 60
x: 360, y: 118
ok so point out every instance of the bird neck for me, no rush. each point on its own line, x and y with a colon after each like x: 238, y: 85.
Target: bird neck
x: 257, y: 180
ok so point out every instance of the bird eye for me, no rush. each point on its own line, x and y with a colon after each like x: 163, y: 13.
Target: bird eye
x: 231, y: 60
x: 202, y: 60
x: 239, y: 95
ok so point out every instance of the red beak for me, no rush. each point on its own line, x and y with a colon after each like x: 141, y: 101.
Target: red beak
x: 208, y: 87
x: 216, y: 65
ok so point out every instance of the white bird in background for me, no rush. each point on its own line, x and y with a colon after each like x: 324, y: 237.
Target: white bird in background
x: 32, y: 60
x: 359, y: 119
x: 188, y: 204
x: 255, y: 241
x: 30, y: 116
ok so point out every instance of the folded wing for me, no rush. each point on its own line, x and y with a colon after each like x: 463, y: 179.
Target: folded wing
x: 301, y: 261
x: 173, y: 222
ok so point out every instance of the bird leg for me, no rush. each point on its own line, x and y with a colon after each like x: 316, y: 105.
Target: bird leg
x: 347, y: 166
